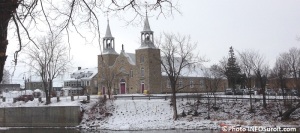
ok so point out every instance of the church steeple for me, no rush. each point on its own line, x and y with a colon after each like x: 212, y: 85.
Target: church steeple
x: 146, y: 24
x: 108, y: 42
x: 108, y: 32
x: 147, y: 35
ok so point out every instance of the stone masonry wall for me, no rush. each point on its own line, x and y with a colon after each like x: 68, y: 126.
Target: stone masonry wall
x: 62, y: 116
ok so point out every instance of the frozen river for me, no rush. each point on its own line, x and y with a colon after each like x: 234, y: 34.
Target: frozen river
x: 70, y: 130
x: 62, y: 130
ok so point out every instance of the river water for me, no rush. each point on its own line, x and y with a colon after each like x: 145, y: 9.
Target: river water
x: 71, y: 130
x: 63, y: 130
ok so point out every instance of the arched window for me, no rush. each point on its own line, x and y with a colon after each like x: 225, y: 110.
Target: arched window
x: 142, y: 72
x: 142, y: 59
x: 131, y: 73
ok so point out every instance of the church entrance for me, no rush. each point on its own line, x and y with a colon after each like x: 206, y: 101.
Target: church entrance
x: 122, y: 87
x: 142, y: 87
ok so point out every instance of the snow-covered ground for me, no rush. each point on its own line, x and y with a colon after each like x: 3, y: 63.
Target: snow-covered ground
x: 144, y: 114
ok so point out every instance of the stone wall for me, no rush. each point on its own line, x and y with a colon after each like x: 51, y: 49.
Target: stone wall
x: 61, y: 116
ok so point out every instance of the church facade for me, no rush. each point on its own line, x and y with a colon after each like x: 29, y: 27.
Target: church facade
x: 127, y: 73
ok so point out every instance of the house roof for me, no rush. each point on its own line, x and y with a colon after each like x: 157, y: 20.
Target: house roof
x: 83, y: 74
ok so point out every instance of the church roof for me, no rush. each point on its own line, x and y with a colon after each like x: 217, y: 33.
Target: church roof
x: 130, y: 58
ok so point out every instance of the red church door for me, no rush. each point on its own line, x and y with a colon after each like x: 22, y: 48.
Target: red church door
x: 142, y: 87
x: 122, y: 85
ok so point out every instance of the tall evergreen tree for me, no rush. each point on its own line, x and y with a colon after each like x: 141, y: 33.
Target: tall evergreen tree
x: 232, y: 70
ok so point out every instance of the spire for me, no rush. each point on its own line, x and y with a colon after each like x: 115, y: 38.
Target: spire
x: 108, y: 32
x: 147, y: 34
x: 146, y: 24
x: 108, y: 42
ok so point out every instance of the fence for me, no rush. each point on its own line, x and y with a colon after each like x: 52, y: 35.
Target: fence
x: 205, y: 97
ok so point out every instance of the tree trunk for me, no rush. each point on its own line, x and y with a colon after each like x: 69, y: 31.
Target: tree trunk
x: 174, y: 105
x: 109, y: 92
x: 264, y: 99
x: 286, y: 115
x: 48, y: 97
x: 251, y: 106
x: 7, y: 7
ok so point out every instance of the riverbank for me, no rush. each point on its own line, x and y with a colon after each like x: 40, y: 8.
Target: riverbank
x: 157, y: 114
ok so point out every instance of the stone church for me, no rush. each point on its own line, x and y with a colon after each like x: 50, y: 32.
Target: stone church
x: 127, y: 73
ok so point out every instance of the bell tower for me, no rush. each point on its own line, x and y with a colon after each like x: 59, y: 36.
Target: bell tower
x: 148, y: 61
x: 106, y: 59
x: 147, y: 38
x: 108, y: 42
x: 109, y: 54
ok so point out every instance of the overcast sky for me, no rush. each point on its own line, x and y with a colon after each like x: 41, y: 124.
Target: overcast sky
x: 269, y: 26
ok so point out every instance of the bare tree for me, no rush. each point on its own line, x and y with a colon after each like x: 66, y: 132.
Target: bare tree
x: 177, y: 55
x: 286, y: 66
x: 215, y: 77
x: 261, y: 70
x: 245, y: 59
x: 108, y: 77
x: 291, y: 61
x: 252, y: 62
x: 48, y: 61
x: 66, y: 16
x: 279, y: 74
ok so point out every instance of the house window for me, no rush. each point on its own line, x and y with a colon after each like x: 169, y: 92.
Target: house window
x: 131, y: 73
x: 202, y: 83
x: 168, y: 84
x: 142, y: 72
x: 191, y: 83
x: 180, y: 84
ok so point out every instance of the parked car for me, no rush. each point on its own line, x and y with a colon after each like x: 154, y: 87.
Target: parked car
x: 282, y: 92
x: 270, y: 92
x: 24, y: 98
x: 251, y: 91
x: 239, y: 92
x: 246, y: 91
x: 228, y: 91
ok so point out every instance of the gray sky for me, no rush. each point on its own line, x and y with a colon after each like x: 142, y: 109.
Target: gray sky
x: 269, y: 26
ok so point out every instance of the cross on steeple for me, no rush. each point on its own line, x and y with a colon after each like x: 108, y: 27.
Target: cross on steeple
x: 146, y: 6
x: 107, y: 16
